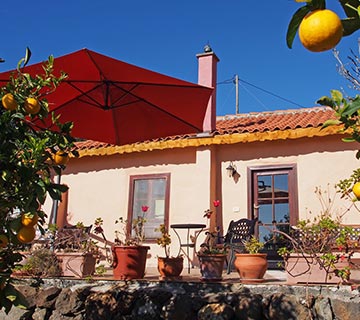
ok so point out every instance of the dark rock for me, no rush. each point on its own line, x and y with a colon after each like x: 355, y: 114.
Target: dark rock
x: 29, y: 294
x: 70, y: 302
x: 287, y: 307
x: 216, y: 311
x: 180, y: 307
x: 102, y: 306
x: 16, y: 314
x: 250, y: 307
x: 46, y: 298
x: 41, y: 314
x: 56, y: 315
x: 345, y: 310
x: 322, y: 309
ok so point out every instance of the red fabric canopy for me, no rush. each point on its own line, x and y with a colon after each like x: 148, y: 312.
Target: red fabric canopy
x: 112, y: 101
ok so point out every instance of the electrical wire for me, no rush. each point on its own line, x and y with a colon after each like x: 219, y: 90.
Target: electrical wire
x: 261, y: 89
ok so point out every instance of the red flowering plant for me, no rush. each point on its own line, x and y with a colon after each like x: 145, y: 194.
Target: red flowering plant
x: 122, y: 237
x: 210, y: 245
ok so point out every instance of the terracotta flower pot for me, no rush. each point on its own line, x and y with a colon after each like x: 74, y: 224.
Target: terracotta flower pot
x: 211, y: 266
x: 251, y: 267
x: 170, y: 267
x: 129, y: 262
x: 305, y: 269
x: 77, y: 264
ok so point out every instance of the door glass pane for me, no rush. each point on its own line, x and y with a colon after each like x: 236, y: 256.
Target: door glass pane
x: 281, y: 186
x: 264, y: 186
x: 265, y: 213
x: 282, y: 212
x: 265, y: 234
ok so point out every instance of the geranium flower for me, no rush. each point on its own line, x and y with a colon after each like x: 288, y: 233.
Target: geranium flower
x: 208, y: 213
x: 216, y: 203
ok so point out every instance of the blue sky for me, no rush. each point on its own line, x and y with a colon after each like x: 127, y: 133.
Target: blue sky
x: 165, y: 36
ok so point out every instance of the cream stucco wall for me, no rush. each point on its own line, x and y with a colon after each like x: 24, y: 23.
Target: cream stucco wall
x: 99, y: 186
x: 320, y: 162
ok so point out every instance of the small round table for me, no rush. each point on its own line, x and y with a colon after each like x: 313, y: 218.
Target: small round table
x: 188, y: 244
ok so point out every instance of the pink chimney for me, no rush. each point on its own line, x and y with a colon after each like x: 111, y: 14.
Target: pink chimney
x: 207, y: 76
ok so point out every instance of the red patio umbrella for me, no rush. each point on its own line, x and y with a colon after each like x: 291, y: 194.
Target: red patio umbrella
x: 115, y: 102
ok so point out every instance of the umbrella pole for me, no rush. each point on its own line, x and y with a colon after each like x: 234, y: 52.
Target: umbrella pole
x: 54, y: 210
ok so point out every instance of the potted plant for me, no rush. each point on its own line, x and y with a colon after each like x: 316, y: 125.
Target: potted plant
x: 212, y: 255
x: 320, y: 250
x: 169, y: 267
x: 129, y: 254
x: 40, y: 263
x: 75, y: 250
x: 212, y: 258
x: 251, y: 264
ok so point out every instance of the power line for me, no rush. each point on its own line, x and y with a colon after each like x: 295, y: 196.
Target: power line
x: 232, y: 80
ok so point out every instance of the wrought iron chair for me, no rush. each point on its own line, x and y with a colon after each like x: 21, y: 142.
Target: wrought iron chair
x: 237, y: 232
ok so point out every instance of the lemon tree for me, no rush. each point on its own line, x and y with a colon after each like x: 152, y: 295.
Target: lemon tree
x: 26, y: 175
x: 321, y: 29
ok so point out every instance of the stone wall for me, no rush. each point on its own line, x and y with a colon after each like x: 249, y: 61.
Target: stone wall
x: 56, y: 299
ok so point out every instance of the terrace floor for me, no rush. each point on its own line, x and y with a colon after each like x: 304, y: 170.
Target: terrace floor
x: 152, y: 274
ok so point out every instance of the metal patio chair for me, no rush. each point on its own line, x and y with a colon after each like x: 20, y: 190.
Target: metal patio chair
x: 237, y: 232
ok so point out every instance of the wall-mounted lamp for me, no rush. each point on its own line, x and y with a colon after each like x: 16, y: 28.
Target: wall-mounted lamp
x: 231, y: 169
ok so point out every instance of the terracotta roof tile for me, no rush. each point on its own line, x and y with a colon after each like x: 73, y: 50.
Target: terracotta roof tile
x: 272, y: 121
x: 250, y: 123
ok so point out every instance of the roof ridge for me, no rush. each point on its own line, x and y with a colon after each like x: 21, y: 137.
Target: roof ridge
x: 272, y: 112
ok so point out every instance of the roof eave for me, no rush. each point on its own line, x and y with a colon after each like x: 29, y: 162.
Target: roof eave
x: 215, y: 140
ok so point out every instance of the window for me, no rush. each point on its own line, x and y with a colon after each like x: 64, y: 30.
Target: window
x: 152, y: 191
x: 273, y: 200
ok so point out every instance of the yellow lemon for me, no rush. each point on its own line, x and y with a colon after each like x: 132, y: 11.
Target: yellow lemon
x: 356, y: 190
x: 26, y: 234
x: 8, y: 101
x: 32, y: 106
x: 61, y: 157
x: 29, y: 219
x: 320, y: 30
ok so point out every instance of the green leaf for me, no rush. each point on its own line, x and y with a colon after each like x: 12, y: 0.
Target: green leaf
x: 54, y: 194
x: 326, y: 101
x: 317, y: 4
x: 62, y: 187
x: 331, y: 122
x: 27, y: 56
x: 358, y: 155
x: 350, y: 25
x: 351, y: 108
x: 294, y: 24
x: 348, y: 139
x: 349, y: 7
x: 337, y: 97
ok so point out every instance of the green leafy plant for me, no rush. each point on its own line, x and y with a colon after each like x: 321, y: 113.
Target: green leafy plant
x: 75, y: 239
x: 323, y: 239
x: 122, y: 236
x: 165, y: 240
x: 137, y: 236
x: 41, y: 263
x: 210, y: 246
x: 26, y: 152
x: 253, y: 245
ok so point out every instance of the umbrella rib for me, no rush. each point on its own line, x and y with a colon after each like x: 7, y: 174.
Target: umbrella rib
x: 154, y: 106
x: 85, y: 93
